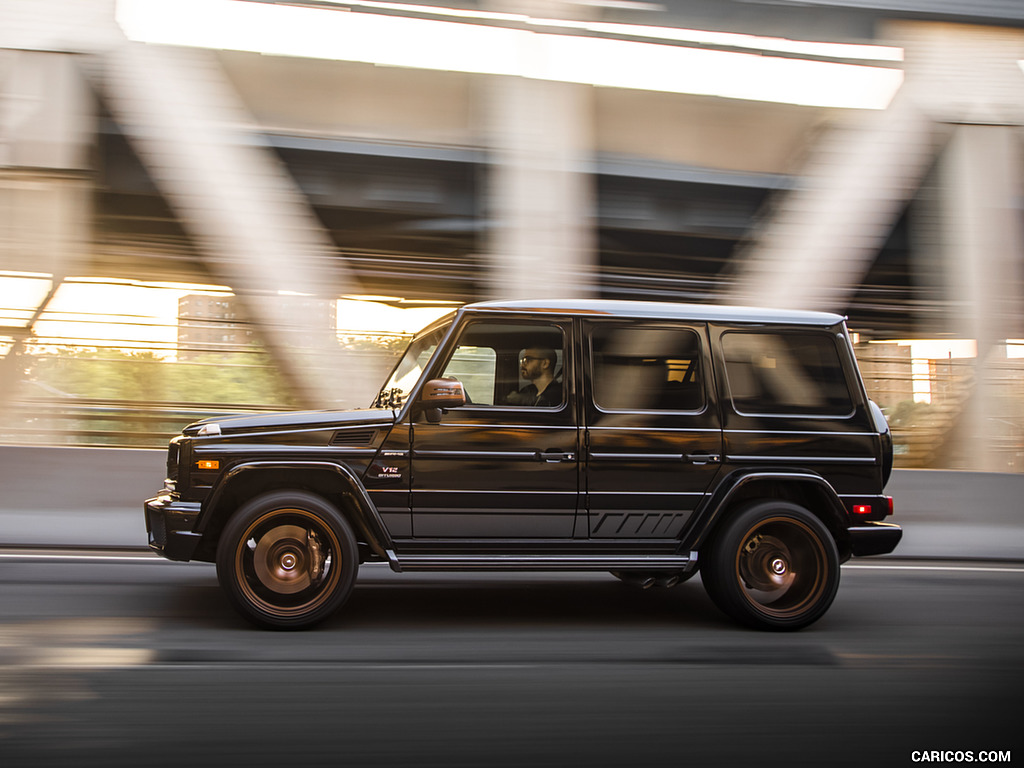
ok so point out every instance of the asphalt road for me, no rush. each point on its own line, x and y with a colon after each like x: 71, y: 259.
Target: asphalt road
x: 142, y: 663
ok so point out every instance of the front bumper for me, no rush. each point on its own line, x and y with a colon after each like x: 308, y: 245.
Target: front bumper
x: 169, y: 524
x: 874, y: 539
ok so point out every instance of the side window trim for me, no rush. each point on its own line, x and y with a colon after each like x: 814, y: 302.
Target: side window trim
x: 700, y: 355
x: 563, y: 367
x: 794, y: 412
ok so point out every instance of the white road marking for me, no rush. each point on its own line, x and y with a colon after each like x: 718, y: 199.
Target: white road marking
x: 967, y: 568
x: 85, y: 557
x: 48, y: 555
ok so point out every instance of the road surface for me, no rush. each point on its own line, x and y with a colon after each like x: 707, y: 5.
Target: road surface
x: 120, y: 659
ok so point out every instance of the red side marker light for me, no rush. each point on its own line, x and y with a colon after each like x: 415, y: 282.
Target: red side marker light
x: 862, y: 509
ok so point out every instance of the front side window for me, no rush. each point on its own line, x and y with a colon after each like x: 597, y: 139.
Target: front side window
x: 476, y: 367
x: 786, y: 374
x: 510, y: 365
x: 651, y: 369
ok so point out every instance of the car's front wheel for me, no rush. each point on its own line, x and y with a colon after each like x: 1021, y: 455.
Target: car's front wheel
x: 773, y: 565
x: 287, y: 560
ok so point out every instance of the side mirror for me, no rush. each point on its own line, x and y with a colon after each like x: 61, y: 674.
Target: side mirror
x: 439, y: 394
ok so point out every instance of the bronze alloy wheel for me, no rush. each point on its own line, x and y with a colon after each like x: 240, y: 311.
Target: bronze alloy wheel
x: 772, y: 565
x: 287, y: 560
x: 781, y: 567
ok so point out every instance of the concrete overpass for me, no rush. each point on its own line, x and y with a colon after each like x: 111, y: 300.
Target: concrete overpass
x: 329, y: 177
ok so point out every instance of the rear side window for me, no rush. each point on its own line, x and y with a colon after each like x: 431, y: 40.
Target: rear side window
x: 786, y: 374
x: 647, y: 369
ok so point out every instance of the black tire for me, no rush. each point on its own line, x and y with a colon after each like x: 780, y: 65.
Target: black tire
x: 773, y: 565
x: 287, y: 560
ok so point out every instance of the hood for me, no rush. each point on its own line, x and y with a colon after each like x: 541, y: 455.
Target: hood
x: 266, y: 422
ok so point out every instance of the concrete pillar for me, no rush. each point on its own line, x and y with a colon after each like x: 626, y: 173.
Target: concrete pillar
x: 968, y: 79
x: 983, y: 248
x: 47, y: 125
x: 540, y: 198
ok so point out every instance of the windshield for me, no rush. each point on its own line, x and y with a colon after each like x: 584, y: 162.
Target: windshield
x: 410, y: 367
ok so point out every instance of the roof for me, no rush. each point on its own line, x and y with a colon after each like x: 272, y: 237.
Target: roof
x: 661, y: 311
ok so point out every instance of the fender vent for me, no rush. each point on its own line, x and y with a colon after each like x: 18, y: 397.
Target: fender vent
x: 354, y: 438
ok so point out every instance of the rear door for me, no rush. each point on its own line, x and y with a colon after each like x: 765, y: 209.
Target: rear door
x: 652, y: 435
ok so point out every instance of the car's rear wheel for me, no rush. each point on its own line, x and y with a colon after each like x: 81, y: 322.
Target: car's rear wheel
x: 287, y: 560
x: 773, y: 565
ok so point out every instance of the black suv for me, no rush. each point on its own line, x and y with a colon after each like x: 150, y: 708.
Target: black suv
x: 648, y: 440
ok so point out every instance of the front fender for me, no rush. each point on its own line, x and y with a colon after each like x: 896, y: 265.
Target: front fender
x: 360, y: 510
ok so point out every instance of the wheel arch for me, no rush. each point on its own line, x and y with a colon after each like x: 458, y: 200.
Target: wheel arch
x: 808, y: 490
x: 336, y: 483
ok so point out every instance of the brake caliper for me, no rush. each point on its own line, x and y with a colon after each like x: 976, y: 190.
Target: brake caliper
x: 752, y: 544
x: 316, y: 557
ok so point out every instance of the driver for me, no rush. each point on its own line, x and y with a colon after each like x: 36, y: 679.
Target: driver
x: 537, y: 366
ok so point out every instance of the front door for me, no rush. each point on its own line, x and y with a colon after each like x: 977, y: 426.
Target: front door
x: 653, y: 439
x: 506, y: 465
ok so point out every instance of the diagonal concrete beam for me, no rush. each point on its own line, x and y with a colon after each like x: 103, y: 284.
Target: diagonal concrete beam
x: 825, y: 233
x: 255, y: 229
x: 822, y: 237
x: 10, y: 370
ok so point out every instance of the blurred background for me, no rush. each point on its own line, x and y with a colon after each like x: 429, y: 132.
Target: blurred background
x: 234, y: 205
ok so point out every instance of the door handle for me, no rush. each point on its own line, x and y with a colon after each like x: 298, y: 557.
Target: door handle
x: 554, y: 456
x: 703, y: 458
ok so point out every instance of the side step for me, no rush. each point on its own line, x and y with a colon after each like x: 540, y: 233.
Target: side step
x: 478, y: 562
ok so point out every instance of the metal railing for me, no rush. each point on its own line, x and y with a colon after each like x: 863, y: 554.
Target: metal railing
x: 934, y: 415
x: 925, y: 433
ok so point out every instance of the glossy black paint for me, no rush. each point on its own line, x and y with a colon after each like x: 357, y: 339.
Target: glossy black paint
x: 577, y: 486
x: 647, y: 470
x: 499, y: 471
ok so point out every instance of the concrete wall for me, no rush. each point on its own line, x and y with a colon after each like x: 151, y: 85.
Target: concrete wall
x: 73, y: 479
x: 76, y: 496
x: 93, y: 497
x: 959, y: 514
